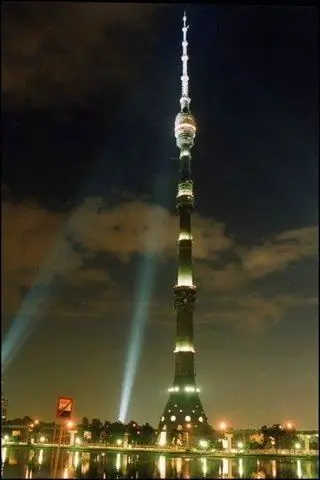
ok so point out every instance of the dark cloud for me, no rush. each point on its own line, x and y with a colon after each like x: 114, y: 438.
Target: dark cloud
x: 42, y: 246
x: 54, y: 53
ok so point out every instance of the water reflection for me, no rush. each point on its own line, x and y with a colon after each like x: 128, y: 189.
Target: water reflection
x: 41, y: 462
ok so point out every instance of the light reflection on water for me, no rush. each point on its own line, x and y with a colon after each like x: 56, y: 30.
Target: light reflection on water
x: 37, y: 463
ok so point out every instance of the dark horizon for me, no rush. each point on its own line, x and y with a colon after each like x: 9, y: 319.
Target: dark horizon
x: 89, y: 178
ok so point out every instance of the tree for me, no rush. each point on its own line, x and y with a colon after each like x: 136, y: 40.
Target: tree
x: 117, y: 431
x: 95, y: 429
x: 132, y: 430
x: 147, y: 435
x: 278, y: 437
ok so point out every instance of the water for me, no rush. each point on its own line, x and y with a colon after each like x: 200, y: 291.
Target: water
x: 40, y: 463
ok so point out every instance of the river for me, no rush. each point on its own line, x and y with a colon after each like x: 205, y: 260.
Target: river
x: 44, y: 463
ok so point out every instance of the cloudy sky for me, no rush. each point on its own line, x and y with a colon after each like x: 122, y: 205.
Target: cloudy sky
x: 89, y: 227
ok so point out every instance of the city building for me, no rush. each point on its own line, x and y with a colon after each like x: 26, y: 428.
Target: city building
x: 3, y: 405
x: 183, y: 412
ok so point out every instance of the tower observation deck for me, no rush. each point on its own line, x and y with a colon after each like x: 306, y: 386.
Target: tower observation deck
x: 183, y: 412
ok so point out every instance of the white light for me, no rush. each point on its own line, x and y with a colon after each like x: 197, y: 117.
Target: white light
x: 118, y: 461
x: 162, y: 466
x: 185, y: 189
x: 240, y: 445
x: 203, y: 443
x: 76, y: 460
x: 162, y: 419
x: 184, y: 347
x: 40, y: 460
x: 200, y: 419
x: 198, y: 389
x: 176, y: 389
x: 189, y: 389
x: 185, y: 280
x: 163, y: 438
x: 3, y: 454
x: 184, y: 153
x: 187, y: 418
x: 185, y: 236
x: 240, y: 467
x: 42, y: 439
x: 78, y: 441
x: 119, y: 441
x: 297, y: 446
x: 299, y: 470
x: 172, y: 418
x: 204, y: 466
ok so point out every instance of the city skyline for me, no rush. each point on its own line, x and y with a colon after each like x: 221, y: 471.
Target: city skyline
x: 89, y: 180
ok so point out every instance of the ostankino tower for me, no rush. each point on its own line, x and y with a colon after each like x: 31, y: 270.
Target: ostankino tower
x: 183, y: 412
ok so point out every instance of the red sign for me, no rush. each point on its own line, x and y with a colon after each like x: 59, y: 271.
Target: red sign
x: 64, y: 407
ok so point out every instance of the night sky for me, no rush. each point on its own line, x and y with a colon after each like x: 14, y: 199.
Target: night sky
x: 89, y: 227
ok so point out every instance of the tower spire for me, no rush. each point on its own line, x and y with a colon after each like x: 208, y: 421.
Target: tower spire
x: 185, y: 99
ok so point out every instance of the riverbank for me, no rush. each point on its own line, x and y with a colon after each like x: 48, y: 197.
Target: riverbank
x: 171, y: 451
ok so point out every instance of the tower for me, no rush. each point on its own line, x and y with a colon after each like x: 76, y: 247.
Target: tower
x: 184, y: 412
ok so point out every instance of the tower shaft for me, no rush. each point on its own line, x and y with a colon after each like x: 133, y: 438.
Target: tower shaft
x: 184, y: 412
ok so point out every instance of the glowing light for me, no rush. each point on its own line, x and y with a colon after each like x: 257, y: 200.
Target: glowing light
x: 188, y: 425
x: 173, y: 389
x: 201, y: 419
x: 4, y: 452
x: 204, y: 466
x: 184, y: 153
x: 187, y: 418
x: 299, y: 470
x: 40, y: 460
x: 162, y: 438
x: 42, y: 439
x: 173, y: 418
x: 274, y: 468
x: 70, y: 424
x: 76, y: 460
x: 225, y: 467
x: 185, y: 236
x: 162, y: 466
x: 203, y: 443
x: 189, y: 389
x: 297, y: 446
x: 139, y: 320
x: 6, y: 438
x: 222, y: 426
x: 185, y: 279
x: 240, y: 445
x: 289, y: 425
x: 78, y: 441
x: 240, y: 468
x: 119, y: 441
x: 185, y: 189
x: 162, y: 419
x: 118, y: 461
x: 184, y: 347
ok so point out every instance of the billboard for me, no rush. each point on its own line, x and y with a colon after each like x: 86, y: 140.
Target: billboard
x: 64, y: 408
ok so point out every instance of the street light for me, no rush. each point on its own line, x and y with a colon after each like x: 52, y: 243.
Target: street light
x: 289, y: 425
x: 119, y: 441
x: 223, y: 426
x: 203, y: 443
x: 297, y: 446
x: 240, y: 445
